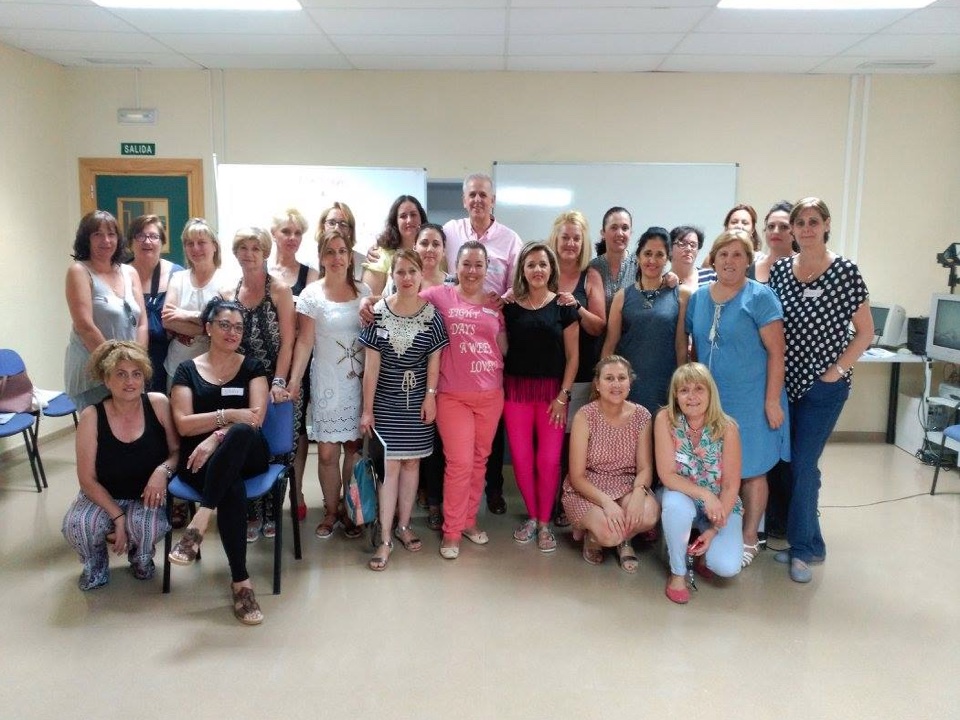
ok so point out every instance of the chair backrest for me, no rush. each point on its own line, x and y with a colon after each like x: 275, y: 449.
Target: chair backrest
x: 278, y: 428
x: 16, y: 390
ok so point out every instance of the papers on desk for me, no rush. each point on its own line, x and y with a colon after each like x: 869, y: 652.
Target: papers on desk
x: 878, y: 353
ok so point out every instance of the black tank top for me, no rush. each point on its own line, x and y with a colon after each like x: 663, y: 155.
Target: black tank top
x: 301, y: 282
x: 124, y: 468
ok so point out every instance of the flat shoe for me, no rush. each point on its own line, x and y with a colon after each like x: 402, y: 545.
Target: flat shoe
x: 408, y: 538
x: 784, y: 557
x: 449, y: 552
x: 245, y: 607
x: 187, y: 547
x: 800, y: 571
x: 679, y: 596
x: 628, y: 558
x: 435, y: 519
x: 478, y: 537
x: 497, y: 505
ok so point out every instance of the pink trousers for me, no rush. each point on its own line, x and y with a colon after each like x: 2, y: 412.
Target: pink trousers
x: 536, y: 447
x: 467, y: 422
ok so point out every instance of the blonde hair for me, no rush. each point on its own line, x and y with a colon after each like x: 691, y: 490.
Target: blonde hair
x: 105, y: 358
x: 694, y: 373
x: 573, y: 217
x: 199, y: 226
x: 728, y: 237
x: 290, y: 215
x: 253, y: 233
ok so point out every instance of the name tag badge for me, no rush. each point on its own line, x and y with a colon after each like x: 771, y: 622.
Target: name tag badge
x: 383, y: 333
x: 231, y: 391
x: 682, y: 458
x: 813, y: 293
x: 488, y: 311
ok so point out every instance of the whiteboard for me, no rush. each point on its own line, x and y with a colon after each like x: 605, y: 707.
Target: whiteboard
x: 253, y: 194
x: 529, y: 196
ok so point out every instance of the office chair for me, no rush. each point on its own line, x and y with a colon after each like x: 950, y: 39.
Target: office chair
x: 16, y: 391
x: 952, y: 432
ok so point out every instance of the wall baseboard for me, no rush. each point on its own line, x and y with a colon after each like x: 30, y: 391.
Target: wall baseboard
x: 857, y: 436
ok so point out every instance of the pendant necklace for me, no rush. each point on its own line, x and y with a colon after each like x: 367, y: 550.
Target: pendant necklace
x: 650, y: 295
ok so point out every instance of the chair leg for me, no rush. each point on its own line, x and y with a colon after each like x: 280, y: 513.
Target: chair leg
x: 936, y: 472
x: 36, y: 451
x: 277, y: 496
x: 76, y: 420
x: 32, y: 460
x: 295, y: 515
x: 167, y: 546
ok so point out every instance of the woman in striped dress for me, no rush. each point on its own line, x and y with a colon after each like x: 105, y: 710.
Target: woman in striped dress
x: 401, y: 369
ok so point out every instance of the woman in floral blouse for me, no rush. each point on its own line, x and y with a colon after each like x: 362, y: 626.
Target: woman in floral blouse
x: 698, y: 458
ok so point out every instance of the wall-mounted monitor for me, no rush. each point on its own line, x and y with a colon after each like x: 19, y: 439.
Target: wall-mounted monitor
x: 943, y: 329
x: 889, y: 324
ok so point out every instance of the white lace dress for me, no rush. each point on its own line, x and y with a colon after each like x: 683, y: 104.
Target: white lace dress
x: 337, y: 368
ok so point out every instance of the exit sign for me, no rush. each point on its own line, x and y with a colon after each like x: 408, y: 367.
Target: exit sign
x: 138, y: 148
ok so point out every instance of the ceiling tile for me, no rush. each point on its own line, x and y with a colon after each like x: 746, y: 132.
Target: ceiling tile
x: 272, y: 62
x: 612, y: 3
x: 755, y: 44
x: 603, y: 20
x: 522, y: 45
x: 212, y: 21
x: 58, y: 17
x: 399, y: 4
x: 419, y: 21
x: 417, y: 45
x: 899, y: 46
x: 931, y: 20
x: 737, y: 64
x: 140, y: 60
x: 585, y: 63
x: 799, y: 21
x: 440, y: 62
x: 89, y: 42
x: 254, y: 44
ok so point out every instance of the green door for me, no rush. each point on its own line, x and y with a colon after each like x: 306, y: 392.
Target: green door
x: 129, y: 196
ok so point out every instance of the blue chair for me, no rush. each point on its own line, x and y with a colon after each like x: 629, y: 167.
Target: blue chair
x: 11, y: 364
x: 952, y: 432
x: 278, y: 431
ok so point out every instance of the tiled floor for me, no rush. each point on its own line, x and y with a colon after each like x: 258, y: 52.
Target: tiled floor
x: 504, y: 632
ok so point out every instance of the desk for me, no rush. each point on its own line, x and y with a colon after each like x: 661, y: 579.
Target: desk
x: 895, y: 360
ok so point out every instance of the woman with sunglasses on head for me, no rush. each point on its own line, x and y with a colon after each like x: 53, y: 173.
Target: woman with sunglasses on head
x: 219, y: 402
x: 105, y: 302
x: 146, y: 237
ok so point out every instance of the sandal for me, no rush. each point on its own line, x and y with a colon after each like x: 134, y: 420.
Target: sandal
x: 253, y: 532
x: 245, y: 607
x: 351, y: 531
x: 749, y: 553
x: 408, y: 538
x: 326, y: 527
x: 269, y: 529
x: 592, y: 553
x: 434, y: 519
x: 187, y: 547
x: 627, y: 557
x: 379, y: 560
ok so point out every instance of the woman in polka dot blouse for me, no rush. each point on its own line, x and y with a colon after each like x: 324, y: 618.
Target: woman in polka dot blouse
x: 821, y: 293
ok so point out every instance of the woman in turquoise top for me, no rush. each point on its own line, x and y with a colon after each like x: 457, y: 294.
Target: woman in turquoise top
x: 737, y: 328
x: 697, y: 448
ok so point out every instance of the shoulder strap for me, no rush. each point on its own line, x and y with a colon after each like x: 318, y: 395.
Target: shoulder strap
x: 155, y: 280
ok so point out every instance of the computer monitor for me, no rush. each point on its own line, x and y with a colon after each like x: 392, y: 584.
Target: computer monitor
x: 943, y: 329
x: 889, y: 324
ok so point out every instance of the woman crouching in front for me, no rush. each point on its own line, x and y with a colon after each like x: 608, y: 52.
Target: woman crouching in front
x: 607, y: 495
x: 698, y: 460
x: 219, y: 403
x: 126, y: 452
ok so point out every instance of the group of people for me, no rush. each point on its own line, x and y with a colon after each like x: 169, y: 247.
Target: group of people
x: 630, y: 396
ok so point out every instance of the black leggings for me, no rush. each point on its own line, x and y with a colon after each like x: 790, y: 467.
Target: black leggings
x: 242, y: 454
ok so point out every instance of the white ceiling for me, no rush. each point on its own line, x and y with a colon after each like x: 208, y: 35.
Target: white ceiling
x: 513, y: 35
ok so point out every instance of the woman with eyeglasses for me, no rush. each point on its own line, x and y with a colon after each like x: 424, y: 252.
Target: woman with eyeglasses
x: 147, y: 237
x: 737, y: 329
x: 288, y: 228
x: 219, y: 403
x: 105, y: 302
x: 268, y: 335
x: 404, y: 219
x: 188, y: 293
x: 646, y: 323
x: 328, y: 324
x: 685, y: 243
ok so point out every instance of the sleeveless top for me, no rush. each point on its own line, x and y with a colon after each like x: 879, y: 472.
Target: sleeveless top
x: 626, y: 276
x: 647, y: 340
x: 191, y: 298
x: 157, y: 338
x: 589, y: 345
x: 123, y: 468
x: 261, y: 329
x: 301, y: 282
x: 612, y: 451
x: 703, y: 464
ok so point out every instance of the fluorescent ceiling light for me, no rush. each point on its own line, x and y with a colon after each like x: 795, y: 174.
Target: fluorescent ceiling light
x: 200, y: 4
x: 822, y: 4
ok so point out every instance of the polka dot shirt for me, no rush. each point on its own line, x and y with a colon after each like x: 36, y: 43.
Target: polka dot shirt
x: 816, y: 318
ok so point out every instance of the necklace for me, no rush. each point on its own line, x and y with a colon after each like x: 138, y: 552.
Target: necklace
x: 542, y: 302
x: 650, y: 295
x: 816, y: 269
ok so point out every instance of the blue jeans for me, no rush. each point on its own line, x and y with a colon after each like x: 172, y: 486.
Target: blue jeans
x: 812, y: 419
x: 679, y: 516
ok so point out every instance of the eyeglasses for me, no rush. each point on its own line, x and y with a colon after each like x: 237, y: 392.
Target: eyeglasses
x: 686, y: 244
x: 342, y: 224
x: 143, y: 237
x: 228, y: 326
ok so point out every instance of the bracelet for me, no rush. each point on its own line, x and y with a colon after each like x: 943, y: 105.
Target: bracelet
x: 221, y: 418
x: 840, y: 369
x: 560, y: 402
x: 565, y: 392
x: 432, y: 391
x: 114, y: 519
x: 646, y: 490
x: 220, y: 435
x: 279, y: 382
x: 167, y: 469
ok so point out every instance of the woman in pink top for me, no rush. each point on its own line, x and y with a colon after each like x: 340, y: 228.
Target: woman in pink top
x: 470, y: 393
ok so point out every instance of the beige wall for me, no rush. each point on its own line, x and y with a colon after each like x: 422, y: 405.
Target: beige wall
x: 789, y: 134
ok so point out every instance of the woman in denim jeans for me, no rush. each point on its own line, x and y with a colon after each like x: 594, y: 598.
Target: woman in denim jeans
x: 821, y: 293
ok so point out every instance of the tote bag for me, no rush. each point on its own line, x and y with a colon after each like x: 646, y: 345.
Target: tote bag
x: 360, y: 495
